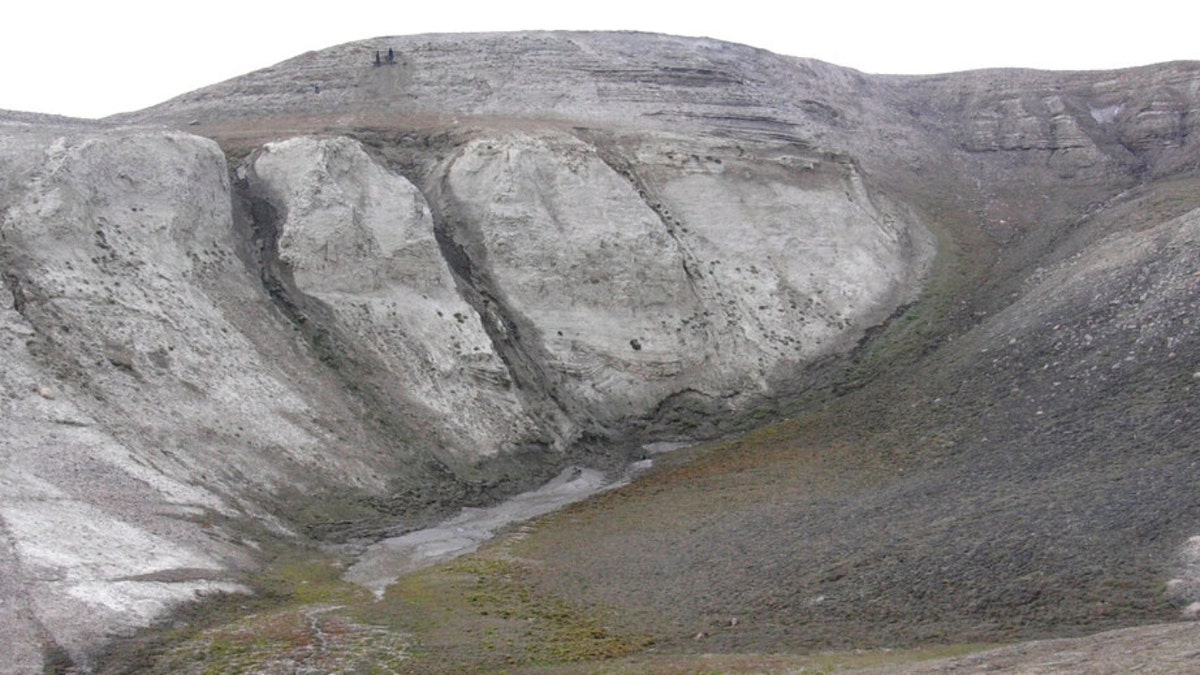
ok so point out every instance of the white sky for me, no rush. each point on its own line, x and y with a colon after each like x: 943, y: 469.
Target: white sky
x: 91, y: 59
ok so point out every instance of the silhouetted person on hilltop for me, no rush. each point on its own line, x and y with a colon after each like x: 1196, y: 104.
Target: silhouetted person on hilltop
x: 377, y: 61
x: 391, y: 55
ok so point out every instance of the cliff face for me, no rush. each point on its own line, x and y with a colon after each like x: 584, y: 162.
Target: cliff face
x: 410, y: 286
x: 120, y: 401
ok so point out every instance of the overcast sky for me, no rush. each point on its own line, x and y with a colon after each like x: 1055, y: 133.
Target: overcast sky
x: 91, y: 59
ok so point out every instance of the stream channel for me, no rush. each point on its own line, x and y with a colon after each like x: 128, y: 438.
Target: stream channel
x: 385, y: 561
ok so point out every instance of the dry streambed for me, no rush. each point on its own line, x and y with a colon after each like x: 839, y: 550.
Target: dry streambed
x: 385, y: 561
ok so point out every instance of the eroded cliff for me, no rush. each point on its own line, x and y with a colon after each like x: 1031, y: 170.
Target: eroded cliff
x: 389, y: 290
x: 321, y: 346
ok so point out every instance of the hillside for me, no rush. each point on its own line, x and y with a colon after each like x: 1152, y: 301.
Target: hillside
x: 337, y: 299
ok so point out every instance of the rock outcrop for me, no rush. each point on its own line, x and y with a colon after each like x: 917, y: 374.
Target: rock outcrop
x: 124, y: 384
x: 318, y: 343
x: 358, y: 241
x: 388, y: 290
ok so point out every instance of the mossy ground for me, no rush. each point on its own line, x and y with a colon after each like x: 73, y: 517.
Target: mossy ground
x: 485, y: 612
x: 300, y: 619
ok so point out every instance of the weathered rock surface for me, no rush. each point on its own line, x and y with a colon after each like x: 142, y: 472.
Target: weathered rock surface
x: 683, y: 269
x: 599, y: 280
x: 360, y: 240
x: 430, y: 283
x: 110, y: 343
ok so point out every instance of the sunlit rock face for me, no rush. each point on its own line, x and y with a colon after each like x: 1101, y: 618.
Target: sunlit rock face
x: 122, y: 387
x: 360, y: 240
x: 549, y: 286
x: 581, y: 262
x: 683, y: 267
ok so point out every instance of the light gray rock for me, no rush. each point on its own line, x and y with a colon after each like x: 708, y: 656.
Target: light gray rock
x: 589, y: 269
x: 104, y: 233
x: 797, y: 255
x: 159, y: 420
x: 582, y: 282
x: 677, y: 264
x: 360, y: 240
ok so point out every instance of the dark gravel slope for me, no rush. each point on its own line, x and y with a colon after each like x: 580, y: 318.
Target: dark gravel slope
x: 1031, y: 476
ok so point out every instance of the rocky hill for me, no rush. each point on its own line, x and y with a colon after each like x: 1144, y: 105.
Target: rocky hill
x: 335, y: 298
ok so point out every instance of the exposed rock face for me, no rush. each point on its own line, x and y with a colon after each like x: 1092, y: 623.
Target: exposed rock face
x: 360, y: 240
x: 430, y: 283
x: 119, y: 382
x: 682, y: 269
x: 582, y: 270
x: 594, y: 288
x: 595, y: 78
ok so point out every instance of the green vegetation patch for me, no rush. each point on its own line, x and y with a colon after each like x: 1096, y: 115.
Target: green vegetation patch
x: 487, y: 612
x: 313, y: 638
x: 301, y: 618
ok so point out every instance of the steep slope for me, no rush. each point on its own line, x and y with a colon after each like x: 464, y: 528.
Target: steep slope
x: 1030, y: 477
x: 159, y: 415
x: 393, y: 288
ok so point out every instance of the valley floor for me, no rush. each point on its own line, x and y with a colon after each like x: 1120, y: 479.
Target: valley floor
x: 582, y: 590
